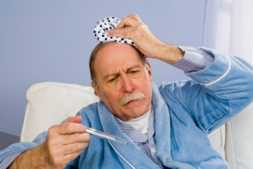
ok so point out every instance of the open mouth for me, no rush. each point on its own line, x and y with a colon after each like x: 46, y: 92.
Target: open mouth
x: 132, y: 99
x: 135, y: 102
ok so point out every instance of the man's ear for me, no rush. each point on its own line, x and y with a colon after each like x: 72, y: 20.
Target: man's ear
x: 148, y: 68
x: 95, y: 87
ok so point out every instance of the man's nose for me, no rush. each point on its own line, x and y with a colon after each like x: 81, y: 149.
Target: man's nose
x: 127, y: 85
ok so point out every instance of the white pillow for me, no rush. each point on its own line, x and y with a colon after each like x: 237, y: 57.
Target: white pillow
x: 50, y: 103
x: 218, y: 140
x: 240, y: 140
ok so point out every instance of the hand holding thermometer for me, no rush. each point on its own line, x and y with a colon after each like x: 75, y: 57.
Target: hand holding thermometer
x: 107, y: 136
x: 100, y: 134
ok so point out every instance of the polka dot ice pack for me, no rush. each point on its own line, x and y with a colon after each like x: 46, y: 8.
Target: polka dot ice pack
x: 105, y: 25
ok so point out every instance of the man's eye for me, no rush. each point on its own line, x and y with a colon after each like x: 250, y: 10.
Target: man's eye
x: 134, y: 71
x: 111, y: 80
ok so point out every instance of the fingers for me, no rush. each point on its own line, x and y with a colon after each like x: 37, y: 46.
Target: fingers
x: 74, y: 148
x: 60, y: 160
x: 71, y: 151
x: 69, y: 157
x: 71, y: 128
x: 127, y: 27
x: 75, y: 119
x: 76, y: 138
x: 66, y: 141
x: 66, y: 128
x: 71, y: 125
x: 65, y: 147
x: 130, y: 20
x: 122, y: 32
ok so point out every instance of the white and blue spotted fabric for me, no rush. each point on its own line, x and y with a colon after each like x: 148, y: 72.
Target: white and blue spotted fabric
x: 108, y: 24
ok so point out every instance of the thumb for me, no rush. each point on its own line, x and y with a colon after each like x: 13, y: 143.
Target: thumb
x: 121, y: 32
x: 73, y: 119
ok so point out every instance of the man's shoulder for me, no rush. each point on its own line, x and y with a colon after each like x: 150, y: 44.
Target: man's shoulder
x: 173, y: 86
x: 178, y: 89
x: 89, y: 114
x: 88, y: 110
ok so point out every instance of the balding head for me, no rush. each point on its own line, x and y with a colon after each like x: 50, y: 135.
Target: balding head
x: 111, y: 48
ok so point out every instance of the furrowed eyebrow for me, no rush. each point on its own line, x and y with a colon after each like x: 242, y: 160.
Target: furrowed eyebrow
x: 118, y: 74
x: 134, y: 67
x: 111, y: 75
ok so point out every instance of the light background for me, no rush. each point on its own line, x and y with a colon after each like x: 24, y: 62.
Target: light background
x: 50, y: 40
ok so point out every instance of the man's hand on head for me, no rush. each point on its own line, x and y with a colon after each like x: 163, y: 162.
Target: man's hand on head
x: 132, y: 27
x: 63, y: 144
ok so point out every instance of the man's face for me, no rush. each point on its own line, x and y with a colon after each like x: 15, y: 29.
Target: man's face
x: 123, y: 81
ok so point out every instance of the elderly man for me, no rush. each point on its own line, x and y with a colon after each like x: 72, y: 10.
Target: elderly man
x: 165, y: 126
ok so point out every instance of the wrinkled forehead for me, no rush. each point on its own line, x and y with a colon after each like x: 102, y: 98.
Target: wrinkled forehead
x: 113, y: 56
x: 112, y: 48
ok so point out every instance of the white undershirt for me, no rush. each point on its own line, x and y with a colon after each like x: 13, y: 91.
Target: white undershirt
x: 140, y: 124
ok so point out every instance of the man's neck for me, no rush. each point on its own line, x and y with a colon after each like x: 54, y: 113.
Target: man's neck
x: 140, y: 123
